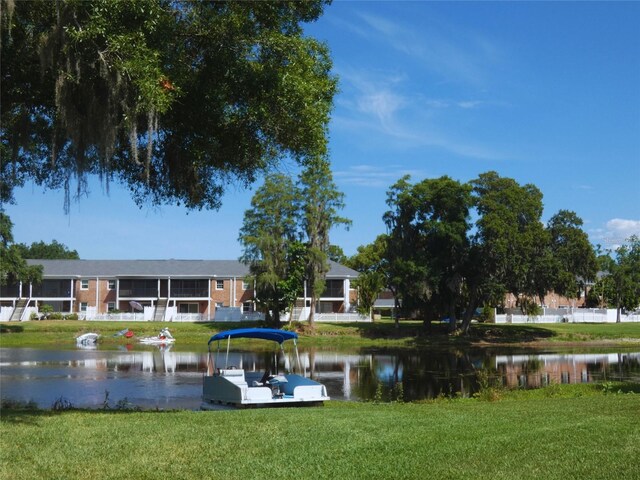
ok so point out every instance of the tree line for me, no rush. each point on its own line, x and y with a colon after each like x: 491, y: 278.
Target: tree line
x: 452, y: 247
x: 13, y: 256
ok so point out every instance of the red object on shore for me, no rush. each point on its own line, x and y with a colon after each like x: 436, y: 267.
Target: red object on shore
x: 129, y: 334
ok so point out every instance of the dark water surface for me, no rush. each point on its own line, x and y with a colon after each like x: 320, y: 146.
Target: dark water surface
x: 149, y: 377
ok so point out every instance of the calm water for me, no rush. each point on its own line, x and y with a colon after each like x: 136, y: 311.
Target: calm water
x: 167, y: 379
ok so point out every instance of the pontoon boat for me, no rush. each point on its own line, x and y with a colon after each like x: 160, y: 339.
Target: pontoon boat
x: 225, y: 384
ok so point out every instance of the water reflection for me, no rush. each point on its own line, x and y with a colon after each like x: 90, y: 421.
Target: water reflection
x: 164, y: 378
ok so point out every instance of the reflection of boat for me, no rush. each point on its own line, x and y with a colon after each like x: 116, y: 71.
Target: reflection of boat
x: 233, y: 386
x: 163, y: 338
x: 87, y: 340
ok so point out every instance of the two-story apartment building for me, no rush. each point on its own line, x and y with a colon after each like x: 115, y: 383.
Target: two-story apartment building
x: 199, y: 287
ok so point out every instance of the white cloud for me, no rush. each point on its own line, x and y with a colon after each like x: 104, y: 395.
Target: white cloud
x: 616, y: 232
x: 622, y: 228
x: 373, y: 176
x: 382, y: 104
x: 378, y: 103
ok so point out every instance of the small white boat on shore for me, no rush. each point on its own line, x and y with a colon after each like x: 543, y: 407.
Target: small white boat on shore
x: 163, y: 338
x: 87, y: 340
x: 228, y: 385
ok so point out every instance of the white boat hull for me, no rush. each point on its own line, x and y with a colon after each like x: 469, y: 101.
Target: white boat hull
x: 230, y: 387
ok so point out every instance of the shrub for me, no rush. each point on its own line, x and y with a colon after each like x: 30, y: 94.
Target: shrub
x: 62, y: 404
x: 488, y: 314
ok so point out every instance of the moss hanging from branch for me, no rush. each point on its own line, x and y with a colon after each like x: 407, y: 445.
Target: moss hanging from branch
x: 174, y: 99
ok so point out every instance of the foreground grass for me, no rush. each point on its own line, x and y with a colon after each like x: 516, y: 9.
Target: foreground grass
x: 589, y: 436
x: 59, y: 333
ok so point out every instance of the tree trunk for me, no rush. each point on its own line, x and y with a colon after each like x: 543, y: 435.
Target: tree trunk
x: 426, y: 319
x: 396, y: 312
x: 468, y: 314
x: 453, y: 323
x: 312, y: 311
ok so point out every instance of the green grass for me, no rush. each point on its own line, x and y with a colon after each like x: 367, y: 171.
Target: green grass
x: 589, y: 435
x: 61, y: 334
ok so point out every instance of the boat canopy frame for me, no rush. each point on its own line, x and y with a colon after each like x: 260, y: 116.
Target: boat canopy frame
x: 272, y: 334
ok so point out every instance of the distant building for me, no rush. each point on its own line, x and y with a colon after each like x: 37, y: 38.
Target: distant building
x: 189, y: 288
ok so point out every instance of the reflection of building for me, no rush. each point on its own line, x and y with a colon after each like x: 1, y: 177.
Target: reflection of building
x: 532, y: 371
x: 169, y: 289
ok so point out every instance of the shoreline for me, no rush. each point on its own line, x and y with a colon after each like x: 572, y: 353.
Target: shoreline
x: 382, y: 334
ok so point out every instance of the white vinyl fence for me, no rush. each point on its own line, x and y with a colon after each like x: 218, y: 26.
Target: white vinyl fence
x: 578, y: 315
x: 341, y: 317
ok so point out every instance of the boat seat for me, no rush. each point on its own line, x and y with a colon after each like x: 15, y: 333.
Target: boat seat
x: 264, y: 381
x: 234, y: 375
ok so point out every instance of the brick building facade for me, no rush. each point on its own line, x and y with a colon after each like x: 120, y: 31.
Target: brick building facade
x: 196, y: 287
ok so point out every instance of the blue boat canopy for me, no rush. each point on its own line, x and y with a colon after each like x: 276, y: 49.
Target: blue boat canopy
x: 261, y: 333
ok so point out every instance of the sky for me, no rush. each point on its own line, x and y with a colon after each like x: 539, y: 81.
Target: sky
x: 546, y: 93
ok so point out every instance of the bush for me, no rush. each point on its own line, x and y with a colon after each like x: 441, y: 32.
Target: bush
x: 71, y: 316
x: 46, y: 311
x: 488, y: 314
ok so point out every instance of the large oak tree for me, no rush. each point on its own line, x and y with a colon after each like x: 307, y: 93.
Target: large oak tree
x: 173, y: 99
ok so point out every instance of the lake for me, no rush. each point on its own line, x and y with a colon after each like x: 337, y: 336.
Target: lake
x: 155, y: 378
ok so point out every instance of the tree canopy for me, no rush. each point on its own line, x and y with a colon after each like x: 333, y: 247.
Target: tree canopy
x: 285, y: 236
x: 173, y: 99
x: 320, y: 202
x: 427, y: 243
x: 619, y: 285
x: 13, y: 267
x: 439, y: 264
x: 269, y: 237
x: 50, y: 251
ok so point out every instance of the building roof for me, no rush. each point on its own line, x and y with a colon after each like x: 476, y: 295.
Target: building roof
x: 384, y: 303
x: 159, y: 268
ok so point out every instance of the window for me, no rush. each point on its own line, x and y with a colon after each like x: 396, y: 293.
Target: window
x: 189, y: 288
x: 111, y: 306
x: 111, y: 285
x: 219, y: 284
x: 188, y: 308
x: 333, y: 289
x: 83, y: 306
x: 247, y: 307
x: 52, y: 288
x: 131, y: 288
x: 84, y: 284
x: 246, y: 285
x: 219, y: 304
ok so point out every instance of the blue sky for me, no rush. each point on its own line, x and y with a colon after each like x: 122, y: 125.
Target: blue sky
x: 545, y: 92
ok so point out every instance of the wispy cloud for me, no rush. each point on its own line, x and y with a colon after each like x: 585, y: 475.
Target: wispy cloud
x: 453, y: 52
x: 382, y: 104
x: 373, y: 176
x: 616, y: 232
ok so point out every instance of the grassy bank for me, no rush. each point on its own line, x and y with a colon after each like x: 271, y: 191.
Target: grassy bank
x: 576, y: 433
x: 61, y: 334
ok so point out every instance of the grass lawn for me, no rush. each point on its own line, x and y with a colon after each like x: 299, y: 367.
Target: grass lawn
x: 194, y: 336
x: 584, y: 434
